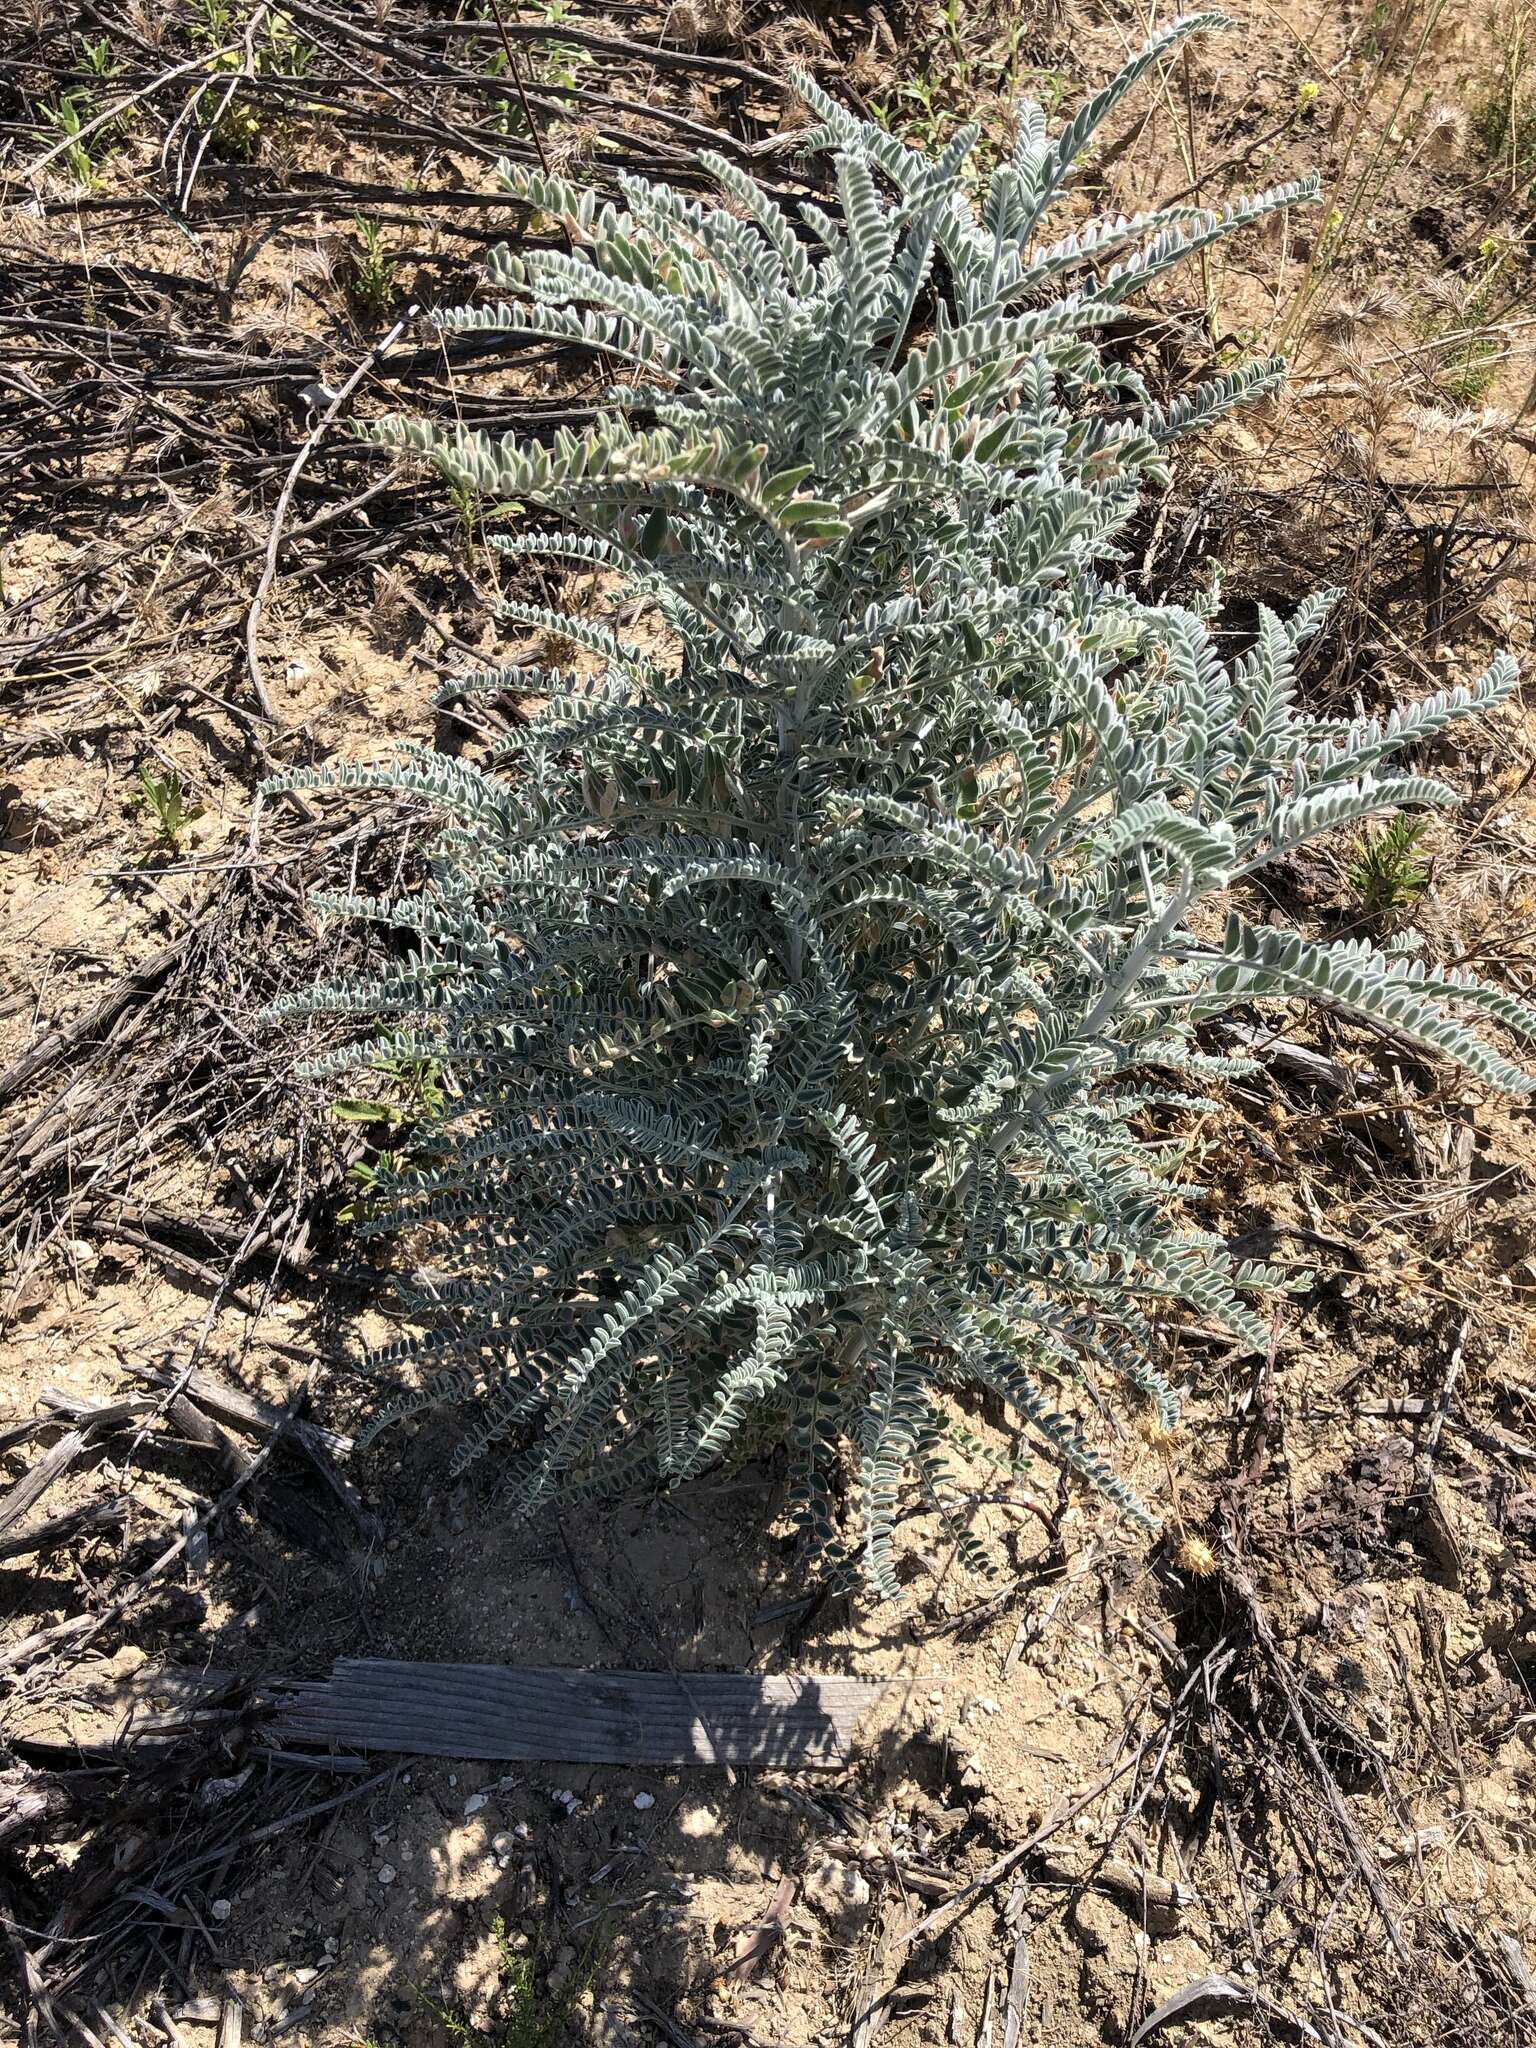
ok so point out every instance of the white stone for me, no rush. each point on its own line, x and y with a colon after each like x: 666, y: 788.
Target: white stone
x: 386, y: 1873
x: 221, y: 1909
x: 840, y: 1893
x: 44, y: 816
x: 644, y: 1800
x: 474, y: 1802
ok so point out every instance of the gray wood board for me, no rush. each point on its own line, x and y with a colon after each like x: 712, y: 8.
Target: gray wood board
x: 543, y: 1714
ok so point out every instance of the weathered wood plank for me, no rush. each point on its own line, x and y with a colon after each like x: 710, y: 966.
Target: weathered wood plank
x: 243, y: 1410
x: 33, y: 1484
x: 322, y: 1447
x: 542, y: 1714
x: 65, y: 1527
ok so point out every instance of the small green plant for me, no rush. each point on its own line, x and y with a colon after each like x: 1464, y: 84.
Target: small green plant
x: 98, y: 59
x: 1390, y: 872
x: 554, y: 63
x: 558, y: 63
x: 916, y: 113
x: 372, y: 1178
x: 234, y: 123
x: 285, y: 54
x: 237, y: 126
x: 1242, y: 345
x: 418, y: 1093
x: 213, y: 21
x: 525, y: 2016
x: 970, y: 69
x: 371, y: 270
x: 67, y: 117
x: 467, y: 508
x: 1051, y: 87
x: 1473, y: 348
x: 416, y: 1097
x: 165, y: 798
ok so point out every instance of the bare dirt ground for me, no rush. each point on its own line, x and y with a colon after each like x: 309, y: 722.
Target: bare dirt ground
x: 1300, y: 1781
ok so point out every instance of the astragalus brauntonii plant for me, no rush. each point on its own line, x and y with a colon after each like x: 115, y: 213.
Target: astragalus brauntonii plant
x: 808, y: 985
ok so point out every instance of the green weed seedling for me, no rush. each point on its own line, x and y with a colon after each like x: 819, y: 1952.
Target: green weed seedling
x: 164, y: 797
x: 371, y: 271
x: 67, y: 117
x: 526, y: 2016
x: 1390, y: 872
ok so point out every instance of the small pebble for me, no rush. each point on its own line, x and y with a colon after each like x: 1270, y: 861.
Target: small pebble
x: 501, y: 1847
x: 474, y: 1803
x: 386, y: 1873
x: 221, y: 1909
x: 644, y: 1800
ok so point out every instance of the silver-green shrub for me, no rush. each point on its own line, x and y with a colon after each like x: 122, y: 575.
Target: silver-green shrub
x: 809, y: 984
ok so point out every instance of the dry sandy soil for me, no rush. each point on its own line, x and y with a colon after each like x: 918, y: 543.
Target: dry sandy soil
x: 1305, y: 1774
